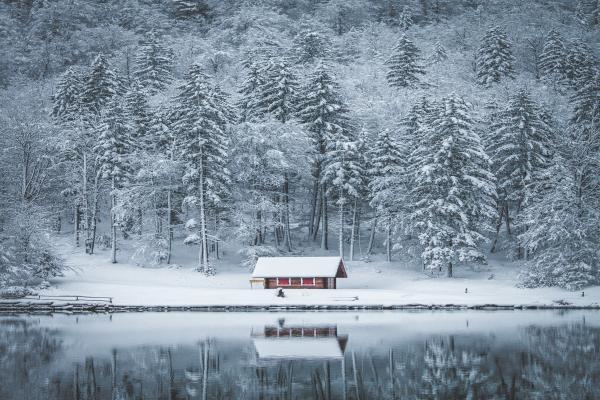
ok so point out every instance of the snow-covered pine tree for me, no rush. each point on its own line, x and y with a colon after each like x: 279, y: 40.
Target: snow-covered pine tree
x: 66, y: 101
x: 114, y: 148
x: 250, y: 89
x: 404, y: 64
x: 580, y: 65
x: 588, y: 12
x: 202, y: 116
x: 277, y: 95
x: 153, y: 64
x: 100, y: 85
x: 439, y: 54
x: 564, y: 220
x: 405, y: 20
x: 520, y: 144
x: 324, y: 114
x: 343, y: 174
x: 586, y: 101
x: 552, y: 58
x: 386, y: 174
x: 309, y: 47
x: 494, y: 57
x: 138, y: 111
x: 453, y: 189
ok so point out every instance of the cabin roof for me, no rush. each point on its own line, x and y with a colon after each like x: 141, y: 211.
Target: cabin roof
x: 284, y: 267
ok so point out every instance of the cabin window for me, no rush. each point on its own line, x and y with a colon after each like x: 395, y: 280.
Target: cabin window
x: 283, y: 281
x: 308, y: 281
x: 296, y: 282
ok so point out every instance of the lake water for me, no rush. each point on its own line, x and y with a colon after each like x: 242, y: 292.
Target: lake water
x: 297, y: 355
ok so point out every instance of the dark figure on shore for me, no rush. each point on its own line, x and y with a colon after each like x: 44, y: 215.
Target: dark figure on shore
x: 280, y: 293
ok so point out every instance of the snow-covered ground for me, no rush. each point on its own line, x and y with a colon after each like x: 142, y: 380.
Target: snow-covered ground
x: 374, y: 283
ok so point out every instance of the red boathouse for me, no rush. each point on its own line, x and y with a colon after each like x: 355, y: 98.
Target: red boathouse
x: 299, y: 272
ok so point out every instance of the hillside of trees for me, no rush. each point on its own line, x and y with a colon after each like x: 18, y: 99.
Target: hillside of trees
x: 435, y: 131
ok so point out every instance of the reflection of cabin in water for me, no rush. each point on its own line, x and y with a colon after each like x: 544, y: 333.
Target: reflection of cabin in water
x: 299, y: 272
x: 299, y: 342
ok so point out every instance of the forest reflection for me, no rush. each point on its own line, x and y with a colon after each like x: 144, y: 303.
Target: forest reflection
x: 282, y: 361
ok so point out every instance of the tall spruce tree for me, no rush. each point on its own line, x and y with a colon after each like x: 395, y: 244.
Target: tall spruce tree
x: 100, y: 86
x: 404, y: 65
x: 202, y: 117
x: 250, y: 89
x: 494, y: 57
x: 453, y: 189
x: 138, y: 111
x: 324, y: 113
x: 114, y: 149
x: 386, y: 174
x: 552, y: 58
x: 154, y: 64
x: 67, y: 101
x: 343, y: 174
x: 520, y: 145
x: 278, y: 93
x: 580, y: 64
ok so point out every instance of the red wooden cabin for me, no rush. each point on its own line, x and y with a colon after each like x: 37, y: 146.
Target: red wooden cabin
x: 299, y: 272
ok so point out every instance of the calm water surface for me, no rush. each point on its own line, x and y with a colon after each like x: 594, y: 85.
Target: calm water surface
x: 366, y: 355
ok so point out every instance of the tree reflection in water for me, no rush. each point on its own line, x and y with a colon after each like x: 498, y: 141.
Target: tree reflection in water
x: 555, y: 362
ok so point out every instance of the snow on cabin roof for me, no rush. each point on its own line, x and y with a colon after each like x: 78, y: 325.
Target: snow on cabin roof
x: 313, y: 348
x: 284, y: 267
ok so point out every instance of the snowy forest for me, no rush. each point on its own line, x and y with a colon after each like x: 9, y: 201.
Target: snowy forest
x: 434, y: 131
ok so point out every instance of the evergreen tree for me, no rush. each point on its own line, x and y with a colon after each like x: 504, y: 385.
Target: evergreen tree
x: 201, y: 125
x: 552, y: 58
x: 310, y: 46
x: 520, y: 145
x: 564, y: 223
x: 66, y: 102
x: 403, y: 65
x: 154, y: 64
x: 580, y: 64
x: 405, y: 20
x: 453, y: 189
x: 250, y: 89
x: 343, y: 174
x: 114, y: 148
x: 494, y: 57
x: 100, y: 86
x: 138, y: 111
x: 588, y: 12
x: 586, y: 103
x: 439, y: 54
x: 325, y: 115
x: 278, y: 91
x: 386, y: 173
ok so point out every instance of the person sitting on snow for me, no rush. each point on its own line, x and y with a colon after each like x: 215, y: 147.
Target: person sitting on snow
x: 280, y: 293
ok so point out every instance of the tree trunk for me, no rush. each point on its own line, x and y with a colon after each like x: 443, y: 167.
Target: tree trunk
x: 324, y: 227
x: 169, y: 225
x: 341, y: 232
x: 286, y: 220
x: 313, y: 225
x: 353, y: 232
x: 76, y: 224
x: 113, y: 224
x: 203, y: 267
x: 498, y: 225
x: 388, y: 240
x: 372, y: 236
x: 86, y: 214
x: 94, y: 214
x: 450, y: 270
x: 318, y: 217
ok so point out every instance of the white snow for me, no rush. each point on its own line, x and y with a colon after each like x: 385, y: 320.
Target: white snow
x: 376, y: 282
x: 275, y: 267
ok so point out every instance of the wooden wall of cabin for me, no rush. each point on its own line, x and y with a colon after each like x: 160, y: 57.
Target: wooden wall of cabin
x: 320, y: 283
